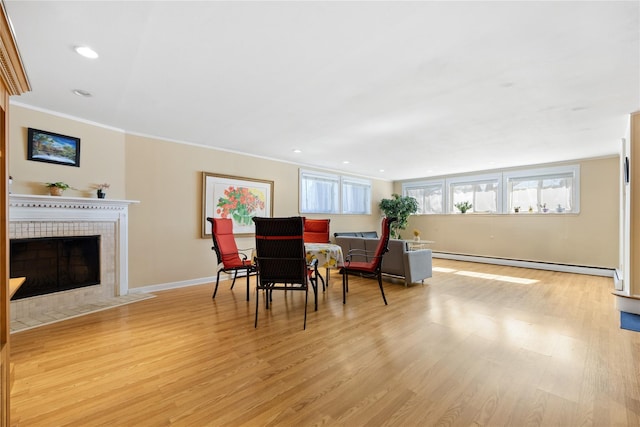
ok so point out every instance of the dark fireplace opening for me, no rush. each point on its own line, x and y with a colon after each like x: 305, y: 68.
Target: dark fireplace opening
x: 54, y: 264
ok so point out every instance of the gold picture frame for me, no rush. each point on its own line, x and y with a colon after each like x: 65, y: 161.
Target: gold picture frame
x: 235, y: 197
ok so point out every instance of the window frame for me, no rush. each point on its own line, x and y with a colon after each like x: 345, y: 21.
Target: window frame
x: 309, y: 174
x: 347, y: 180
x: 425, y: 184
x: 475, y: 180
x: 544, y: 173
x: 340, y: 181
x: 503, y: 194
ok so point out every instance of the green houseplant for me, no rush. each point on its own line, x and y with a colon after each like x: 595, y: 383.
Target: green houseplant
x: 399, y: 207
x: 57, y: 188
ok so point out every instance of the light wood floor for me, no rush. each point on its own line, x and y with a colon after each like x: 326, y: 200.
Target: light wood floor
x: 510, y: 347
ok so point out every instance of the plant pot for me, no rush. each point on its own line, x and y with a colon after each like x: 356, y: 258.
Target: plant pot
x: 101, y: 194
x: 56, y: 191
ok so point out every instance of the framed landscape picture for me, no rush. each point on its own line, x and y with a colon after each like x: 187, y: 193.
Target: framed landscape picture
x: 237, y: 198
x: 49, y: 147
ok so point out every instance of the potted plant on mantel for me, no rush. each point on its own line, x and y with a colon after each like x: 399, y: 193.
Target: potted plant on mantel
x: 57, y: 188
x: 101, y: 190
x: 399, y: 207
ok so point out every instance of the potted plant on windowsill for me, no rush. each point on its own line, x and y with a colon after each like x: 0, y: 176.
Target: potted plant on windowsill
x: 57, y: 188
x: 463, y: 206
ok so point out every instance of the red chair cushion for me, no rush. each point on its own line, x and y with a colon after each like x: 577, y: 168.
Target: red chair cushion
x: 377, y: 258
x: 316, y: 230
x: 226, y: 242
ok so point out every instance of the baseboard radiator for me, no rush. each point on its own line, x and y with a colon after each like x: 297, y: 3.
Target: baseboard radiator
x: 564, y: 268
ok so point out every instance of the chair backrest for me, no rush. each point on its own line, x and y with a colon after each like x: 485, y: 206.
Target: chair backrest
x: 383, y: 243
x: 224, y: 243
x: 316, y: 230
x: 280, y: 250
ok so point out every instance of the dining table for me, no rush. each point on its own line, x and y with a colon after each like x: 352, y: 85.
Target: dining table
x: 329, y: 255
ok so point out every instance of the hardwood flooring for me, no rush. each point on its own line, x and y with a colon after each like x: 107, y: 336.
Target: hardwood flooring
x: 475, y: 345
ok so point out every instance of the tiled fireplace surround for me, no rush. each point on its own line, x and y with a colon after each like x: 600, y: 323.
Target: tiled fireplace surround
x: 45, y: 216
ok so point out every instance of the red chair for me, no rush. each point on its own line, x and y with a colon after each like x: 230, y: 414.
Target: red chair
x: 224, y: 244
x: 371, y: 264
x: 317, y: 231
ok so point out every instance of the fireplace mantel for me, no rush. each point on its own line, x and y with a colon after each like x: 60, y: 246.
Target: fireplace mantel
x: 26, y: 208
x: 21, y: 208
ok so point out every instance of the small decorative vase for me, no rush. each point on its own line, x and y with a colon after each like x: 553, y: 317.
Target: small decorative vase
x: 55, y: 191
x: 101, y: 194
x: 416, y: 238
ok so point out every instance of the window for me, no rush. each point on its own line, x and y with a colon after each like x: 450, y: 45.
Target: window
x: 319, y: 193
x: 553, y: 189
x: 333, y: 194
x: 482, y: 191
x: 429, y: 194
x: 544, y: 190
x: 356, y: 196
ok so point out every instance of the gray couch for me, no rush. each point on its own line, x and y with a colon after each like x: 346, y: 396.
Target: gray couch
x: 413, y: 266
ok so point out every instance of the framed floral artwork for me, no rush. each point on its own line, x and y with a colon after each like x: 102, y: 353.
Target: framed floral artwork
x: 237, y: 198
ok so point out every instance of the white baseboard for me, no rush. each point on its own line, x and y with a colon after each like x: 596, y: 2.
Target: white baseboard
x: 174, y: 285
x: 593, y: 271
x: 618, y: 281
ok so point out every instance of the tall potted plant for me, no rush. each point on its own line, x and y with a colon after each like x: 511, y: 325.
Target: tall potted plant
x: 399, y: 207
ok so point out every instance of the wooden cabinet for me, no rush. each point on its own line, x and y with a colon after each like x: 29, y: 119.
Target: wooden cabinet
x: 13, y: 81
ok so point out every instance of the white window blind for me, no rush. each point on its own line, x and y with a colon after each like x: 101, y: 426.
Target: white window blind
x: 319, y: 193
x: 429, y: 195
x: 544, y: 190
x: 356, y: 196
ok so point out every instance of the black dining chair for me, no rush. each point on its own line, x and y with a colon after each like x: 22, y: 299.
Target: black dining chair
x: 281, y: 260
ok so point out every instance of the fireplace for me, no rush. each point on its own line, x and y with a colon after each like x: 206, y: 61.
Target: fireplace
x: 45, y: 217
x: 55, y: 264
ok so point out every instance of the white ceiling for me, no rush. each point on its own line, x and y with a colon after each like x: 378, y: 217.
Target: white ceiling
x: 415, y: 88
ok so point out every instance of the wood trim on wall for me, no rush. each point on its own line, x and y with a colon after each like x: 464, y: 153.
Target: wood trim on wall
x: 12, y: 73
x: 13, y: 81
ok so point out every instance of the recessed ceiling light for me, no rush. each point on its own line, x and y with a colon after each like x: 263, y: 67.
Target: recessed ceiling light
x: 346, y: 162
x: 381, y: 170
x: 82, y: 93
x: 295, y: 150
x: 86, y: 51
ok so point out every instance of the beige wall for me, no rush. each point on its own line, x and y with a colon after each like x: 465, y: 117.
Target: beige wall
x: 101, y: 156
x: 165, y: 246
x: 589, y: 238
x: 164, y: 233
x: 165, y: 227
